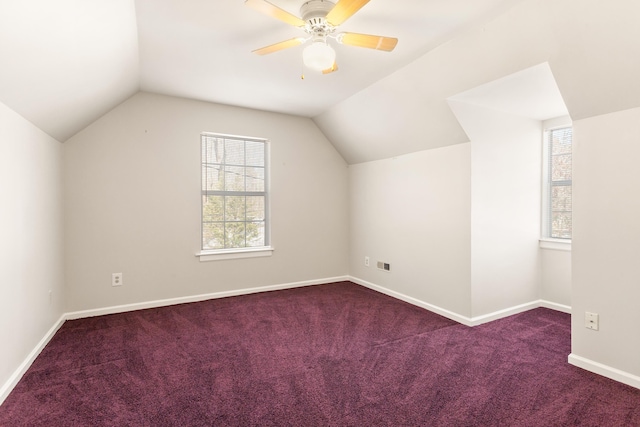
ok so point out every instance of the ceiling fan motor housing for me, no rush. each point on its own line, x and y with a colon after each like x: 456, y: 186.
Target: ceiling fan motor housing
x: 314, y: 13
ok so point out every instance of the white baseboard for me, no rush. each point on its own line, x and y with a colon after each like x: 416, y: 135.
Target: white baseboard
x: 195, y: 298
x: 17, y: 375
x: 555, y: 306
x: 581, y: 362
x: 575, y: 360
x: 510, y: 311
x: 465, y: 320
x: 411, y: 300
x: 604, y: 370
x: 8, y: 386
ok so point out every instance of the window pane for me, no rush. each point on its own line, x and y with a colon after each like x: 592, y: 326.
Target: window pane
x: 255, y: 208
x: 558, y: 176
x: 255, y: 153
x: 234, y: 208
x: 561, y: 198
x: 213, y: 235
x: 212, y: 208
x: 234, y: 178
x: 234, y: 152
x: 561, y: 141
x: 212, y: 177
x: 234, y: 235
x: 255, y: 234
x: 233, y: 168
x: 561, y: 167
x: 561, y: 225
x: 212, y: 150
x: 255, y: 179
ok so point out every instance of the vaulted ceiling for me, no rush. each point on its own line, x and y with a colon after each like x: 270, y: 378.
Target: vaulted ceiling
x: 64, y: 63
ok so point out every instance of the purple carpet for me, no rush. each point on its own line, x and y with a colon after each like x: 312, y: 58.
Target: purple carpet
x: 329, y: 355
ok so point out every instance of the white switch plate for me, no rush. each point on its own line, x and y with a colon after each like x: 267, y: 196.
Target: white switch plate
x: 591, y: 321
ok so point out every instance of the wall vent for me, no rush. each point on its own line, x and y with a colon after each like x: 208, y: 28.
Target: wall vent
x: 384, y: 266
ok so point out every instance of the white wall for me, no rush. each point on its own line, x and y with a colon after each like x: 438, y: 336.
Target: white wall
x: 132, y: 200
x: 505, y: 207
x: 413, y: 212
x: 31, y: 242
x: 606, y: 239
x: 459, y: 225
x: 555, y: 286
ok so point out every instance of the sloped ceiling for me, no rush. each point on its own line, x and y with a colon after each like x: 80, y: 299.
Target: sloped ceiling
x: 201, y: 49
x: 64, y: 63
x: 531, y: 93
x: 592, y: 48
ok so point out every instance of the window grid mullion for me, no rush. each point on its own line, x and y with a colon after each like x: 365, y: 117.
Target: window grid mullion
x: 240, y: 234
x: 556, y: 136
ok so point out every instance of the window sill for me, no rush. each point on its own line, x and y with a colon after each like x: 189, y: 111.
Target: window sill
x: 555, y: 244
x: 235, y: 253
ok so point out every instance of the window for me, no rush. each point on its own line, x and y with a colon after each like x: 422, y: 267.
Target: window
x: 557, y: 206
x: 234, y: 194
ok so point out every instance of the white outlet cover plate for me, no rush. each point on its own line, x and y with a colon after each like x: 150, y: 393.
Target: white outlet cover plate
x: 591, y: 321
x: 116, y: 279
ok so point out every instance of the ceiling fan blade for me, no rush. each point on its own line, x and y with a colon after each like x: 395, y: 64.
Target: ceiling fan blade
x: 343, y: 10
x: 369, y: 41
x: 333, y: 68
x: 279, y: 46
x: 275, y: 12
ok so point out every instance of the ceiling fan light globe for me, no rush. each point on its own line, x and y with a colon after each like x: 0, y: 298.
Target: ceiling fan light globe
x: 318, y: 56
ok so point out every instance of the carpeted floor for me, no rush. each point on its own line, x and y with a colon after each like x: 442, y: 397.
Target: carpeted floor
x: 329, y: 355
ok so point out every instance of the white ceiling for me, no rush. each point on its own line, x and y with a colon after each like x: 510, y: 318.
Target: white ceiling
x: 66, y: 62
x: 531, y: 93
x: 592, y: 49
x: 202, y: 49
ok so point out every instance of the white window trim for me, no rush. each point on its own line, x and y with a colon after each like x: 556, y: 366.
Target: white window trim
x: 251, y: 252
x: 545, y: 241
x: 555, y: 244
x: 239, y: 253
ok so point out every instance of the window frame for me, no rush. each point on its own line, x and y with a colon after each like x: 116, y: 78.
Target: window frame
x: 239, y: 252
x: 546, y: 241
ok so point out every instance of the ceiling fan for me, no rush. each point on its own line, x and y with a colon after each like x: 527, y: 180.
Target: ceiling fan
x: 320, y: 20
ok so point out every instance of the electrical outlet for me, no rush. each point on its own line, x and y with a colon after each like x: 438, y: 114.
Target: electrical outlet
x: 116, y: 279
x: 366, y: 261
x: 591, y: 321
